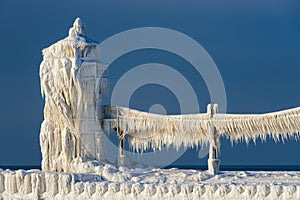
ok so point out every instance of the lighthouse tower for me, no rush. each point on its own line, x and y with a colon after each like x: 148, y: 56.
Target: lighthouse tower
x: 73, y: 81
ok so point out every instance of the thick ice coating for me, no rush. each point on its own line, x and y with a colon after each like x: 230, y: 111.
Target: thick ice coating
x: 72, y: 81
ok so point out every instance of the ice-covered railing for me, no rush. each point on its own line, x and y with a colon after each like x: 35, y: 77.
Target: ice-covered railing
x: 148, y: 130
x: 279, y: 125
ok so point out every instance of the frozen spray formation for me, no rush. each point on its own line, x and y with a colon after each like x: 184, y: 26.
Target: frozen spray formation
x: 148, y: 130
x: 72, y: 81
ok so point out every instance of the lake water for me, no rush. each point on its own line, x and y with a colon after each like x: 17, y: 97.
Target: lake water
x: 197, y: 167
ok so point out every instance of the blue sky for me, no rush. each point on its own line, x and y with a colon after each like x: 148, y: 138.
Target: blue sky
x: 255, y: 45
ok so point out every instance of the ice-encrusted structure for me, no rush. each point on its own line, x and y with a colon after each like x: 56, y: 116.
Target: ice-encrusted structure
x: 72, y: 81
x: 122, y: 183
x: 148, y: 130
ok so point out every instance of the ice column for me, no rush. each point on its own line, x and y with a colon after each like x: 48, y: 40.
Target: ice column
x: 213, y: 161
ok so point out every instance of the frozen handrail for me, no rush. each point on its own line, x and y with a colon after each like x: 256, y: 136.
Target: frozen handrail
x: 148, y: 130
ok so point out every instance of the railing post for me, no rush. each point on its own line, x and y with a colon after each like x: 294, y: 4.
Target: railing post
x: 121, y: 157
x: 213, y: 161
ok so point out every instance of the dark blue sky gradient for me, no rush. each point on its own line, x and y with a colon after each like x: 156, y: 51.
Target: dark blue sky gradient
x: 255, y: 44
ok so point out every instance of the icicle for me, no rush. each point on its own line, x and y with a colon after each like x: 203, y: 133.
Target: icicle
x: 147, y: 130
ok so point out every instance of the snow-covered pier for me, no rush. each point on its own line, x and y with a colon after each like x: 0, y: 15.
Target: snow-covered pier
x: 122, y: 183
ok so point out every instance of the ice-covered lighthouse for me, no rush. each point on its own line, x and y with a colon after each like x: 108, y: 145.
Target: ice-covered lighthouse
x: 72, y: 80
